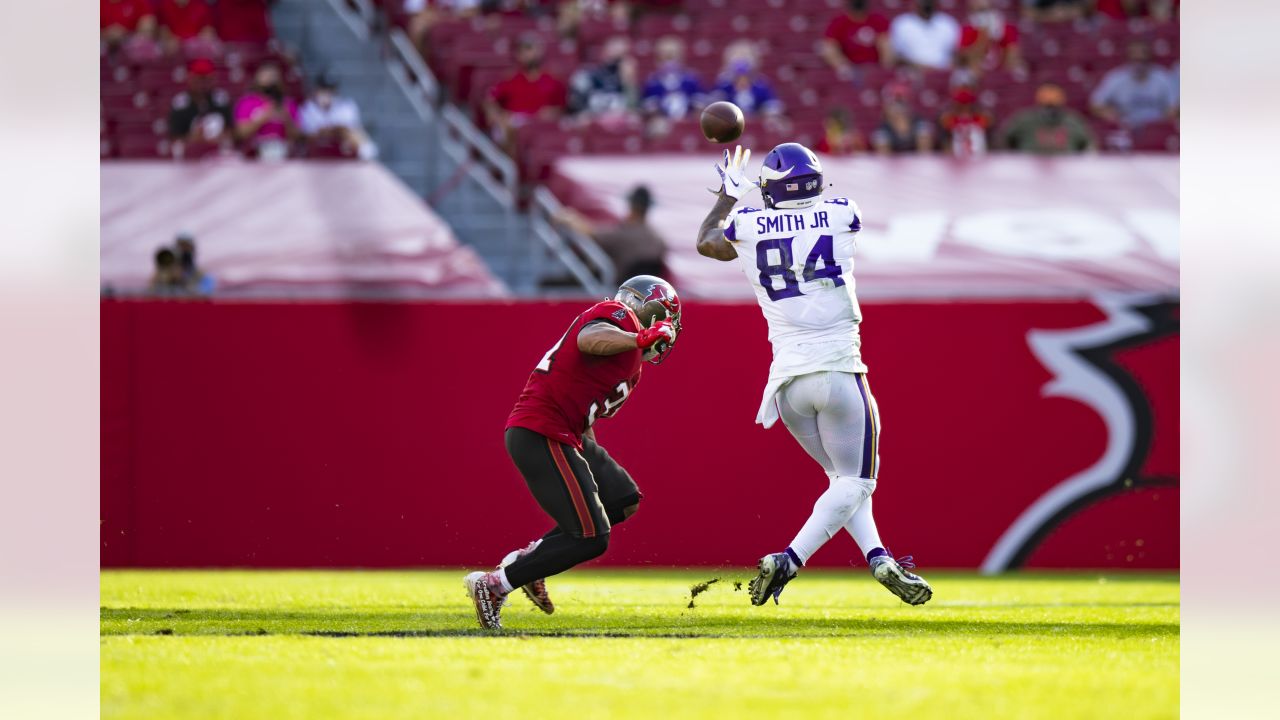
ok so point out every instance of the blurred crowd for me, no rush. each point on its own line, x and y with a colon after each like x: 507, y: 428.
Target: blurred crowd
x: 909, y: 49
x: 201, y: 41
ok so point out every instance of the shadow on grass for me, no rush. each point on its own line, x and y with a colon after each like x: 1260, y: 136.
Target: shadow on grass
x: 340, y: 623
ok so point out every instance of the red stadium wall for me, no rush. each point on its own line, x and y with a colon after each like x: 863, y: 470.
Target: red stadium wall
x: 369, y: 434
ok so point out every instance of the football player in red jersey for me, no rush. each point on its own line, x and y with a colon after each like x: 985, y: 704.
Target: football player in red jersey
x: 587, y: 375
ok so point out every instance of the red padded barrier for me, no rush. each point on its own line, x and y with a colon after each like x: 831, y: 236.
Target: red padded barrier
x: 369, y: 434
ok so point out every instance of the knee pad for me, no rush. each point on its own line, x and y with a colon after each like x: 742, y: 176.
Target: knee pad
x: 593, y: 547
x: 622, y: 509
x: 847, y: 492
x: 859, y: 485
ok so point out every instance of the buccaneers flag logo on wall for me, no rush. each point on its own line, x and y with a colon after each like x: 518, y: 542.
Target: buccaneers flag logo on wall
x: 1086, y: 365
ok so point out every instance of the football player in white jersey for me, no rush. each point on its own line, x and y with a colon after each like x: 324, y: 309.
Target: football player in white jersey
x: 797, y: 253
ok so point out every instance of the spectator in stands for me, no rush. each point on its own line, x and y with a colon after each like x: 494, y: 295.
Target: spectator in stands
x: 129, y: 28
x: 424, y: 15
x: 1053, y: 11
x: 1049, y: 128
x: 742, y: 84
x: 901, y: 130
x: 200, y: 117
x: 839, y: 136
x: 857, y: 37
x: 570, y: 14
x: 988, y: 41
x: 1159, y: 10
x: 194, y: 277
x: 330, y: 119
x: 673, y: 90
x: 633, y: 245
x: 925, y: 38
x: 1165, y: 10
x: 122, y: 19
x: 243, y: 21
x: 166, y: 277
x: 266, y: 120
x: 186, y: 23
x: 965, y: 124
x: 1136, y: 94
x: 609, y: 91
x: 529, y: 93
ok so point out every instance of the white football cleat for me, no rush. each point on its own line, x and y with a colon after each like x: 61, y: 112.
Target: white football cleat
x: 487, y: 598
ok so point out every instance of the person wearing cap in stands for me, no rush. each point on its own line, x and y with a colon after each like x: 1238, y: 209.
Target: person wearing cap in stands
x: 964, y: 124
x: 1048, y: 128
x: 200, y: 116
x: 330, y: 118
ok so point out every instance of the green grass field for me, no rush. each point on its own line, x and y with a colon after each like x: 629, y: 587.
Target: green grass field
x: 625, y: 644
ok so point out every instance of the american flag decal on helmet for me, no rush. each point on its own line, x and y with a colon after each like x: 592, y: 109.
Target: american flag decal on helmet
x: 793, y: 186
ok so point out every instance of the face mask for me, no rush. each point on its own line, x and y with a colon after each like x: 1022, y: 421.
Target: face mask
x: 275, y: 92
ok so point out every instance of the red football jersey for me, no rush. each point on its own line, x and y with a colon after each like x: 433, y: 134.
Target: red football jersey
x: 569, y: 389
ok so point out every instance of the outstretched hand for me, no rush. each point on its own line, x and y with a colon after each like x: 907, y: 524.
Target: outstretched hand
x: 733, y: 174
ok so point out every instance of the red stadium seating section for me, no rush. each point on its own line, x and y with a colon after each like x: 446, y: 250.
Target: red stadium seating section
x: 471, y: 55
x: 136, y: 95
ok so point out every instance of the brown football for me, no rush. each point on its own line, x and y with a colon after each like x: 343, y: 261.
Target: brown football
x: 722, y: 122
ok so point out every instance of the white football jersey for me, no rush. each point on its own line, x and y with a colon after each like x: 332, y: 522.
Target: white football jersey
x: 800, y: 264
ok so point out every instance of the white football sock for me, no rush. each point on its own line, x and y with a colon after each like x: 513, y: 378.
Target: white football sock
x: 501, y: 574
x: 832, y: 510
x: 862, y: 526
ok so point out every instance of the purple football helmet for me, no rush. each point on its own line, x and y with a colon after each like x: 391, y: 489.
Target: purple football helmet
x: 791, y: 177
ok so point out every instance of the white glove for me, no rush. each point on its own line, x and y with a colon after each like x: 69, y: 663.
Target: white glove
x: 734, y: 181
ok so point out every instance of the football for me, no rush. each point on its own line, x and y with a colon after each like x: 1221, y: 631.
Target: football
x: 722, y: 122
